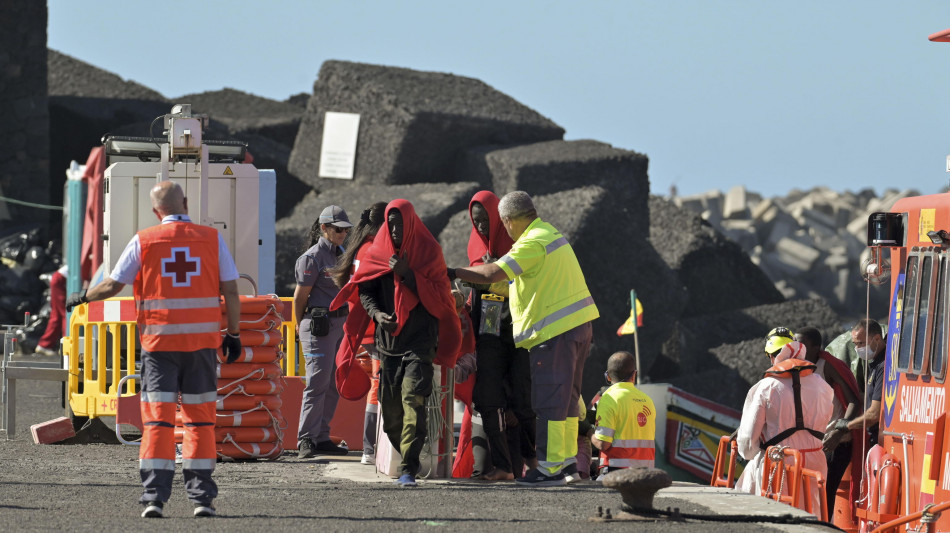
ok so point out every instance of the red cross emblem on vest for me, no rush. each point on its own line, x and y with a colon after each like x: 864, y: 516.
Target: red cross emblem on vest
x: 181, y: 266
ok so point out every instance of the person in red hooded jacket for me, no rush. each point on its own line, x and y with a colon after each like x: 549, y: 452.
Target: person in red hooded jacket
x: 503, y: 381
x: 402, y: 286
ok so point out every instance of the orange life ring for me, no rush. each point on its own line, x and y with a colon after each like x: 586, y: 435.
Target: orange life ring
x: 246, y: 434
x: 257, y: 418
x: 258, y: 305
x: 237, y: 434
x: 256, y: 371
x: 237, y: 402
x: 264, y: 321
x: 249, y: 450
x: 260, y: 338
x: 264, y: 386
x: 255, y: 354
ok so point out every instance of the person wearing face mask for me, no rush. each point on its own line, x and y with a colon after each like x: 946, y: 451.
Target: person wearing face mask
x: 320, y: 330
x: 868, y: 338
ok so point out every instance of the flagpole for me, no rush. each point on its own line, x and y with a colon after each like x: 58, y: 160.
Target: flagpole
x: 636, y: 333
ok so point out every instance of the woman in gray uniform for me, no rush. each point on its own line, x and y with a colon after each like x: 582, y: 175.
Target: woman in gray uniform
x: 320, y: 331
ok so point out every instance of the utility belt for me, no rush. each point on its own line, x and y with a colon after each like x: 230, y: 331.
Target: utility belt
x: 343, y: 311
x: 320, y: 319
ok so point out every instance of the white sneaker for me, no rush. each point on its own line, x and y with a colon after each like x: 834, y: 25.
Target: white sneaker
x: 368, y: 459
x: 204, y: 510
x: 152, y: 510
x: 46, y: 352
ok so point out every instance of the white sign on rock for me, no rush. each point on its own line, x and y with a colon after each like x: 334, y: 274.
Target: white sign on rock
x: 338, y: 150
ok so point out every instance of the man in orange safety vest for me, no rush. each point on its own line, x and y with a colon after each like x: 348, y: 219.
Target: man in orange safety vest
x: 179, y: 269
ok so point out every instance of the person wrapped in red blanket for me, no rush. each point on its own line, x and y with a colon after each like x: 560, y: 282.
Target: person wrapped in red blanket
x: 502, y: 392
x: 402, y: 285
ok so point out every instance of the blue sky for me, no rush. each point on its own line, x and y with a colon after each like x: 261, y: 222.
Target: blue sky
x: 770, y: 95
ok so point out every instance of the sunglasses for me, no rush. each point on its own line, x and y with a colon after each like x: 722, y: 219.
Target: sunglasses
x: 339, y: 230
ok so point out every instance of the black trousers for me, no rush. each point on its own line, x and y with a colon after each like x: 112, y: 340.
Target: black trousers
x: 837, y: 465
x: 503, y: 386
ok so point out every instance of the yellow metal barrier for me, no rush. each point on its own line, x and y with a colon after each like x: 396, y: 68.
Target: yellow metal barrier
x: 103, y: 337
x: 100, y: 352
x: 293, y: 362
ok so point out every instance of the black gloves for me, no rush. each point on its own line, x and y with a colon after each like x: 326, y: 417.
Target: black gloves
x: 451, y: 273
x: 231, y: 346
x: 75, y: 299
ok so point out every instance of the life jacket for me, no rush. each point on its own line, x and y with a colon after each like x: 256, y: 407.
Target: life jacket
x: 794, y: 369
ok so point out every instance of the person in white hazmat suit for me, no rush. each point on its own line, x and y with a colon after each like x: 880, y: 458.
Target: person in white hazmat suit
x: 770, y: 411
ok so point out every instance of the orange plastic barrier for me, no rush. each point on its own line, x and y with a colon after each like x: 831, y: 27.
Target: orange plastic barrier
x: 727, y: 447
x: 787, y: 482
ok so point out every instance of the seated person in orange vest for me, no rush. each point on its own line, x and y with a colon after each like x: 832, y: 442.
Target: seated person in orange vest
x: 774, y: 413
x: 626, y: 419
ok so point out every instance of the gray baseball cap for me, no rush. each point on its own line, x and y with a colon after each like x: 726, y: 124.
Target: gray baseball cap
x: 335, y: 215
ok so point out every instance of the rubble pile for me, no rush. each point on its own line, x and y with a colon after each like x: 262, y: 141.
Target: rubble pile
x: 811, y: 244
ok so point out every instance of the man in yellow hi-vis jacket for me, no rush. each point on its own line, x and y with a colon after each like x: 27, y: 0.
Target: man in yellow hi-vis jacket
x: 551, y: 310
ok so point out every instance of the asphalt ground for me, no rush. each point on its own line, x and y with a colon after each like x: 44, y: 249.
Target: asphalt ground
x: 95, y: 487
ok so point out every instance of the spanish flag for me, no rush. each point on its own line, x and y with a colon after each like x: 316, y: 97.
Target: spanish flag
x: 636, y: 317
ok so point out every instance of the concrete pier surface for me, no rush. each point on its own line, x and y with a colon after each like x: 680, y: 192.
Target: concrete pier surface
x: 95, y: 487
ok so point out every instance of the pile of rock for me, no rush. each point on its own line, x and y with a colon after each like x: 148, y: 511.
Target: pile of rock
x: 811, y: 244
x: 435, y: 139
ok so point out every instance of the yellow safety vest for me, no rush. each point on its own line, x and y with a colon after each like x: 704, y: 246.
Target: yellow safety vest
x: 550, y: 294
x: 626, y: 418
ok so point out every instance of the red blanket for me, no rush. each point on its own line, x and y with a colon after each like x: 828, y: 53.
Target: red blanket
x: 425, y: 259
x: 498, y: 242
x: 464, y: 463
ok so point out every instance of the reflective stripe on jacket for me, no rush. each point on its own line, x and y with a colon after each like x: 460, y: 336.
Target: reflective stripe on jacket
x: 177, y: 290
x: 550, y: 295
